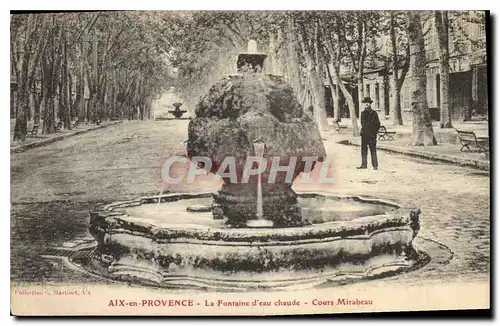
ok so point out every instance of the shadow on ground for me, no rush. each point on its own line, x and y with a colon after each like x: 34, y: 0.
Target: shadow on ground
x: 38, y: 226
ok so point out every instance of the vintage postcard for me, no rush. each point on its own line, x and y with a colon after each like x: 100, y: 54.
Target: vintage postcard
x: 249, y: 162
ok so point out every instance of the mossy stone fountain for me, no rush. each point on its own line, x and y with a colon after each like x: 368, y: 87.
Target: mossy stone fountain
x: 254, y: 233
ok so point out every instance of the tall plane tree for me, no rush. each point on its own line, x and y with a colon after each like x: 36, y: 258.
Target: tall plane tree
x: 423, y: 133
x: 307, y: 30
x: 30, y: 49
x: 398, y: 71
x: 353, y: 37
x: 331, y: 30
x: 441, y: 21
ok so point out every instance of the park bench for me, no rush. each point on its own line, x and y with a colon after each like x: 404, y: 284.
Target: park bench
x: 338, y: 127
x: 469, y: 138
x: 75, y: 124
x: 59, y: 126
x: 383, y: 134
x: 33, y: 131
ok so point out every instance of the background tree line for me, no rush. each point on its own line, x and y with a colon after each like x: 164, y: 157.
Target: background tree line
x: 87, y: 66
x: 124, y: 59
x: 337, y: 46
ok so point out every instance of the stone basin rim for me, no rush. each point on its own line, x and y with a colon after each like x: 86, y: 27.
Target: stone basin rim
x: 245, y: 236
x: 187, y: 195
x: 361, y: 226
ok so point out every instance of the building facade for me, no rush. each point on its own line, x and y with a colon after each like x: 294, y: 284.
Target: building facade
x: 468, y: 72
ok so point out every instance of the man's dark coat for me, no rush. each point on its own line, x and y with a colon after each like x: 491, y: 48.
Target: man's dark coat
x: 370, y: 123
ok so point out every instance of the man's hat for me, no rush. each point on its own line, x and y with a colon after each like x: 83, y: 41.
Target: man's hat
x: 367, y: 100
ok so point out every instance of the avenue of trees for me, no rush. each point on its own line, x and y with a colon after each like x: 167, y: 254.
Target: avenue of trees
x: 311, y: 47
x: 114, y: 64
x: 85, y: 66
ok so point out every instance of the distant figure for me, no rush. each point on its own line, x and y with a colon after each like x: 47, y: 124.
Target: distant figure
x: 310, y: 110
x: 370, y: 125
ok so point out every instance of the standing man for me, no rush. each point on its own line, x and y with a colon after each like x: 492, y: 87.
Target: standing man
x: 370, y: 125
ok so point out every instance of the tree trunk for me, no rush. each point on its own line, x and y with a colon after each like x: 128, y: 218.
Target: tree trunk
x: 48, y: 97
x: 65, y: 85
x: 423, y: 134
x: 113, y: 100
x: 361, y: 59
x: 77, y: 103
x: 90, y: 108
x: 14, y: 72
x: 279, y: 53
x: 29, y: 63
x: 21, y: 126
x: 82, y: 78
x: 16, y: 101
x: 38, y: 97
x: 350, y: 104
x: 33, y: 65
x: 397, y: 118
x: 71, y: 102
x: 386, y: 86
x: 360, y: 85
x: 347, y: 95
x: 92, y: 80
x: 337, y: 112
x: 51, y: 61
x: 335, y: 55
x: 103, y: 107
x: 91, y: 97
x: 48, y: 107
x: 315, y: 83
x: 272, y: 54
x: 292, y: 63
x: 59, y: 99
x: 318, y: 98
x: 441, y: 20
x: 334, y: 89
x: 320, y: 69
x: 30, y: 111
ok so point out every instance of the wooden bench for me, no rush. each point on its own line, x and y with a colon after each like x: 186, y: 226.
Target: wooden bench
x: 338, y: 127
x: 469, y: 138
x: 75, y: 124
x: 383, y: 134
x: 59, y: 126
x: 33, y: 131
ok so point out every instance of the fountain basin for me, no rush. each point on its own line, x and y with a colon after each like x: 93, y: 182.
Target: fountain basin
x: 143, y: 241
x: 177, y: 113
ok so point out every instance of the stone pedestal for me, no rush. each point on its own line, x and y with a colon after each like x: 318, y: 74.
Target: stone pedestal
x: 238, y: 111
x: 238, y: 203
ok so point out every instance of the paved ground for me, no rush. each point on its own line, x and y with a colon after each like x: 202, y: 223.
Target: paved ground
x: 53, y: 187
x: 19, y: 145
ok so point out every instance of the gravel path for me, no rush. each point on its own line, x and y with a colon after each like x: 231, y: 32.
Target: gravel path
x: 53, y: 187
